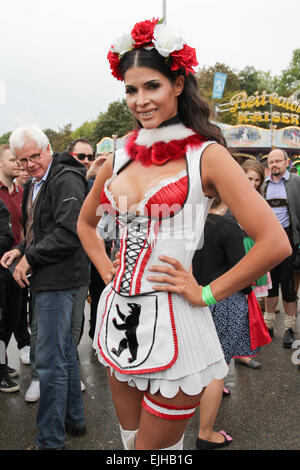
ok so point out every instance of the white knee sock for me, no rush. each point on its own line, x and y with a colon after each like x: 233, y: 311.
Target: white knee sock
x: 128, y: 437
x: 269, y: 319
x: 177, y: 446
x: 289, y: 322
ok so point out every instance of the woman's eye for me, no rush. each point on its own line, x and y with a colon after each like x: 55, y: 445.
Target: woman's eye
x: 153, y: 86
x: 129, y: 91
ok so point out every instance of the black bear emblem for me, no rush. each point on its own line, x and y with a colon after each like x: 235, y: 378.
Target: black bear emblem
x: 129, y: 325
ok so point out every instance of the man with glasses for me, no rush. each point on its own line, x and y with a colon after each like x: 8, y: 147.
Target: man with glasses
x: 281, y: 192
x: 81, y: 149
x: 53, y: 262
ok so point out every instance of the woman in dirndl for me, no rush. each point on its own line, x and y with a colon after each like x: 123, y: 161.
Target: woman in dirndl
x: 154, y: 333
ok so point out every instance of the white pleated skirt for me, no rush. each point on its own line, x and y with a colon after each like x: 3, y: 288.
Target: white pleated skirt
x: 200, y: 356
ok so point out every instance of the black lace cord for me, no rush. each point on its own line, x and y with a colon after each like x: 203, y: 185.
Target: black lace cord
x: 136, y: 236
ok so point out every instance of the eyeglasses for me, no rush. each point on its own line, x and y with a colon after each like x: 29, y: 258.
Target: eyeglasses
x: 276, y: 162
x: 33, y: 158
x: 82, y: 156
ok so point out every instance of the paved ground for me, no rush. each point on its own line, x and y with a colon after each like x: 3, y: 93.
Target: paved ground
x: 262, y: 413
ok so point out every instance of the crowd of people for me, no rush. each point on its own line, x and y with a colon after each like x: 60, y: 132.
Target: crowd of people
x: 178, y: 263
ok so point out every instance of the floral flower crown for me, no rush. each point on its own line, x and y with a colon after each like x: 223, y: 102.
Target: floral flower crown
x: 151, y: 34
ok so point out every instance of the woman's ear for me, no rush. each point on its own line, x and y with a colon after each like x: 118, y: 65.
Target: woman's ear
x: 179, y: 84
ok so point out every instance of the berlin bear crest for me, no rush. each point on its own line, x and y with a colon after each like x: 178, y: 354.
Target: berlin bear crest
x: 129, y: 326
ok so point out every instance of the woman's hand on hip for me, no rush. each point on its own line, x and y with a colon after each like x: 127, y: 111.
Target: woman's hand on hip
x: 174, y: 278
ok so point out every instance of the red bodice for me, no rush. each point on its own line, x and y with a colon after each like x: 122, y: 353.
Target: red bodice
x: 159, y: 200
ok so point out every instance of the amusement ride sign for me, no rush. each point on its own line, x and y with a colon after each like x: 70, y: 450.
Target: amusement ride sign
x: 246, y: 106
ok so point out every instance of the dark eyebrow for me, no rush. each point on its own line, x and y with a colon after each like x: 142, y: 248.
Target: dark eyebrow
x: 151, y: 81
x: 155, y: 80
x: 129, y: 86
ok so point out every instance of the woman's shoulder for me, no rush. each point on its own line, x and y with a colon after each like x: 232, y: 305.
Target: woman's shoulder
x: 209, y: 150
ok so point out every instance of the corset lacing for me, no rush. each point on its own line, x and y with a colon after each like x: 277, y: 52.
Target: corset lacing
x: 137, y: 239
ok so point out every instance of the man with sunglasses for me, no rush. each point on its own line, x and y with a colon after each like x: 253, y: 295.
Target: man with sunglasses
x: 53, y: 257
x: 82, y: 150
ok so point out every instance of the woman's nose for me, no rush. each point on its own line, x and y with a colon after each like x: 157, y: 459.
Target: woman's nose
x: 142, y: 98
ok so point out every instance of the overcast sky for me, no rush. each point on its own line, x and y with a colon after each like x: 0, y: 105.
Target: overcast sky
x: 53, y: 62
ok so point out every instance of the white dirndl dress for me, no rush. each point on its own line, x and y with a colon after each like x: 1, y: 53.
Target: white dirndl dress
x: 155, y: 340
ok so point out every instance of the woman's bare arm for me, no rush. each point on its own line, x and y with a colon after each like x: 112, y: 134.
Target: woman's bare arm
x: 222, y: 174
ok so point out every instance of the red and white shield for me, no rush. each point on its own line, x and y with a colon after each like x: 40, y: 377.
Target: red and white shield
x: 138, y: 333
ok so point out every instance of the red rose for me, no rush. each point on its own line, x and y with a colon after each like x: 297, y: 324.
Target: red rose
x: 142, y: 32
x: 114, y: 63
x: 185, y: 58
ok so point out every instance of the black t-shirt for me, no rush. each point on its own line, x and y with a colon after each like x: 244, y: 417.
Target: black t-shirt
x: 223, y: 248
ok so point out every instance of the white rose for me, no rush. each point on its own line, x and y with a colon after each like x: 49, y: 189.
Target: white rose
x: 122, y: 44
x: 167, y: 40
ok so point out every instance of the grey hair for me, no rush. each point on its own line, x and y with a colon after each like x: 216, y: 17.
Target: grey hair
x: 20, y: 136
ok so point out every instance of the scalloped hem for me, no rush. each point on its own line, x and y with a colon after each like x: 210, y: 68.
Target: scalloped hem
x: 191, y: 384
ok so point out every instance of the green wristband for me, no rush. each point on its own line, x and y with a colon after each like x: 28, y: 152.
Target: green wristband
x: 207, y: 296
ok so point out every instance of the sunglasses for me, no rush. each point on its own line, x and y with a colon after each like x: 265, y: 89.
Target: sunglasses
x: 82, y: 156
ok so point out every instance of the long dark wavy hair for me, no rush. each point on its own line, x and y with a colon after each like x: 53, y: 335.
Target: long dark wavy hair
x: 193, y: 111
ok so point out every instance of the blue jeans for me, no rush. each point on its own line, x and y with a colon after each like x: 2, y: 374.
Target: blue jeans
x: 76, y: 325
x: 57, y: 368
x: 78, y: 313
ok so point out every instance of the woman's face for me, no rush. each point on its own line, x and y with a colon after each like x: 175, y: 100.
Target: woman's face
x: 254, y: 178
x: 151, y: 97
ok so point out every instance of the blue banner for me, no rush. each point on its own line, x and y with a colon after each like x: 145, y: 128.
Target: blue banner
x: 219, y: 84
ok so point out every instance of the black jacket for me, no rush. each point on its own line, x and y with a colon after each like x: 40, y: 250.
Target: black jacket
x: 6, y: 238
x: 6, y: 235
x: 56, y: 256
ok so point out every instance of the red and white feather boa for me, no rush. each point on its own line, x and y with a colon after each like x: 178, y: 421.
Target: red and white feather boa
x: 158, y: 146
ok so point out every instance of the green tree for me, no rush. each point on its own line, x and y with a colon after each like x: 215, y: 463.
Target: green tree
x: 284, y: 83
x: 252, y: 80
x: 85, y: 131
x: 205, y: 81
x: 59, y: 140
x: 116, y: 120
x: 4, y: 138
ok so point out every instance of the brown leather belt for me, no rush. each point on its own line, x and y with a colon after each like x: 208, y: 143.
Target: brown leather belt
x: 277, y: 202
